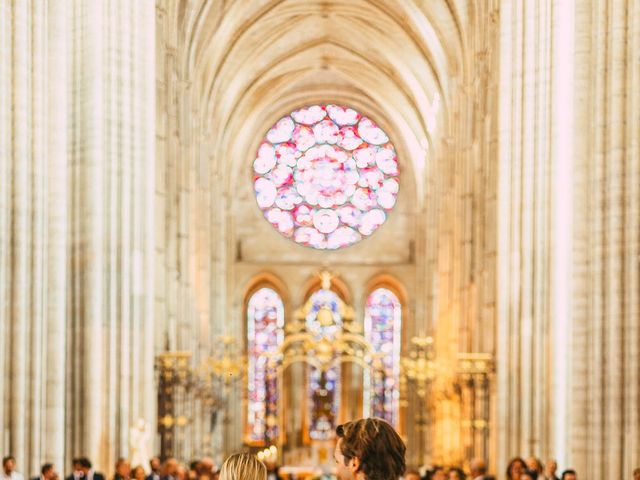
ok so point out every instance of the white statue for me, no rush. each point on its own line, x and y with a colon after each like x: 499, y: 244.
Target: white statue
x: 139, y: 453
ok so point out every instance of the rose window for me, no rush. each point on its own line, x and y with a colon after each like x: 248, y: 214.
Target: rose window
x: 326, y: 176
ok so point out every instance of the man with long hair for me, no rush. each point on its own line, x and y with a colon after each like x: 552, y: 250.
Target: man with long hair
x: 369, y: 449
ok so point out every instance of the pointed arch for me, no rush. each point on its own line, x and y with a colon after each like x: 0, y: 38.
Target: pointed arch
x: 265, y: 316
x: 266, y: 279
x: 383, y: 328
x: 324, y: 386
x: 338, y: 286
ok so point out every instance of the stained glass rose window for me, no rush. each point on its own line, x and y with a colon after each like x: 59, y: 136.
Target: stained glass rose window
x: 326, y: 176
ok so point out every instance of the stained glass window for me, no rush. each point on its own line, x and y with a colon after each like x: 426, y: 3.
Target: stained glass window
x: 382, y: 322
x: 265, y: 321
x: 326, y: 176
x: 323, y: 321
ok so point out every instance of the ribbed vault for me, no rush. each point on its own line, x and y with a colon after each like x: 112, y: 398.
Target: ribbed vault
x: 251, y: 62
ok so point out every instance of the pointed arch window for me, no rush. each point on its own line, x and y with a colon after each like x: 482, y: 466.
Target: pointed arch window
x: 265, y: 322
x: 323, y: 320
x: 382, y: 323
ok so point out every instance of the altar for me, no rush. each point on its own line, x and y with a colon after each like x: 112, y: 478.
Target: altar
x: 312, y: 461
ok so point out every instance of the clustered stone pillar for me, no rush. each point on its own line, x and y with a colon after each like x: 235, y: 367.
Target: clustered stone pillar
x: 461, y: 241
x: 525, y: 168
x: 604, y: 427
x: 569, y: 234
x: 188, y: 236
x: 77, y: 132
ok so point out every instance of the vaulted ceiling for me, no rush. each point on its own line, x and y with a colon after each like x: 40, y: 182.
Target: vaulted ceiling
x: 246, y: 63
x: 250, y: 62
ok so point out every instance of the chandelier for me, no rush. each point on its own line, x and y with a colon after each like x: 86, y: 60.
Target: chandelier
x: 225, y: 368
x: 323, y: 337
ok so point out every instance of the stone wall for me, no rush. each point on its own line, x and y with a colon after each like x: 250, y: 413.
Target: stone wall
x: 76, y: 249
x: 569, y: 236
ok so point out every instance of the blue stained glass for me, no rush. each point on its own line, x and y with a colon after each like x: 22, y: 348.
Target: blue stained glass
x: 265, y: 322
x: 383, y: 316
x: 324, y: 386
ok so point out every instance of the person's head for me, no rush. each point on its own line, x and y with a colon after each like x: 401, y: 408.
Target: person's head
x: 123, y: 468
x: 412, y: 474
x: 243, y: 466
x: 194, y: 469
x: 569, y: 475
x: 437, y: 473
x: 85, y: 464
x: 516, y: 468
x: 138, y: 473
x: 529, y: 475
x: 636, y: 474
x: 170, y: 467
x: 534, y: 464
x: 369, y: 449
x: 456, y: 474
x: 550, y: 467
x: 47, y: 471
x: 477, y: 466
x: 155, y: 464
x: 181, y: 472
x: 75, y: 465
x: 8, y: 464
x: 207, y: 466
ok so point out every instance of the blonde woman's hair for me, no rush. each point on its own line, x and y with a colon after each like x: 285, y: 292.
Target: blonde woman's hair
x: 243, y: 466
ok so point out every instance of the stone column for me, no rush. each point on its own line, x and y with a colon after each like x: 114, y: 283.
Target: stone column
x: 605, y: 382
x: 90, y: 158
x: 76, y: 255
x: 19, y: 284
x: 586, y: 317
x: 57, y: 233
x: 561, y: 252
x: 524, y: 216
x: 184, y: 204
x: 461, y: 240
x: 6, y: 151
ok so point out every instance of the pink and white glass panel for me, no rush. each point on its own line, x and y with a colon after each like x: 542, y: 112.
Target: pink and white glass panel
x: 326, y: 176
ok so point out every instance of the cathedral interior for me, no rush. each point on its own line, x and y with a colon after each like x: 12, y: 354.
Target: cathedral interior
x: 231, y: 225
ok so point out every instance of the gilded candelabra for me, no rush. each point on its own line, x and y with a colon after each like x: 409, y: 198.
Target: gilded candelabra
x: 217, y: 376
x: 225, y: 368
x: 325, y: 342
x: 174, y: 373
x: 474, y: 374
x: 417, y: 371
x: 180, y: 384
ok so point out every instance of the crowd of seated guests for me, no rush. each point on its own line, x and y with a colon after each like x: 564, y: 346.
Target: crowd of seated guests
x: 204, y: 469
x: 82, y: 469
x: 517, y: 469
